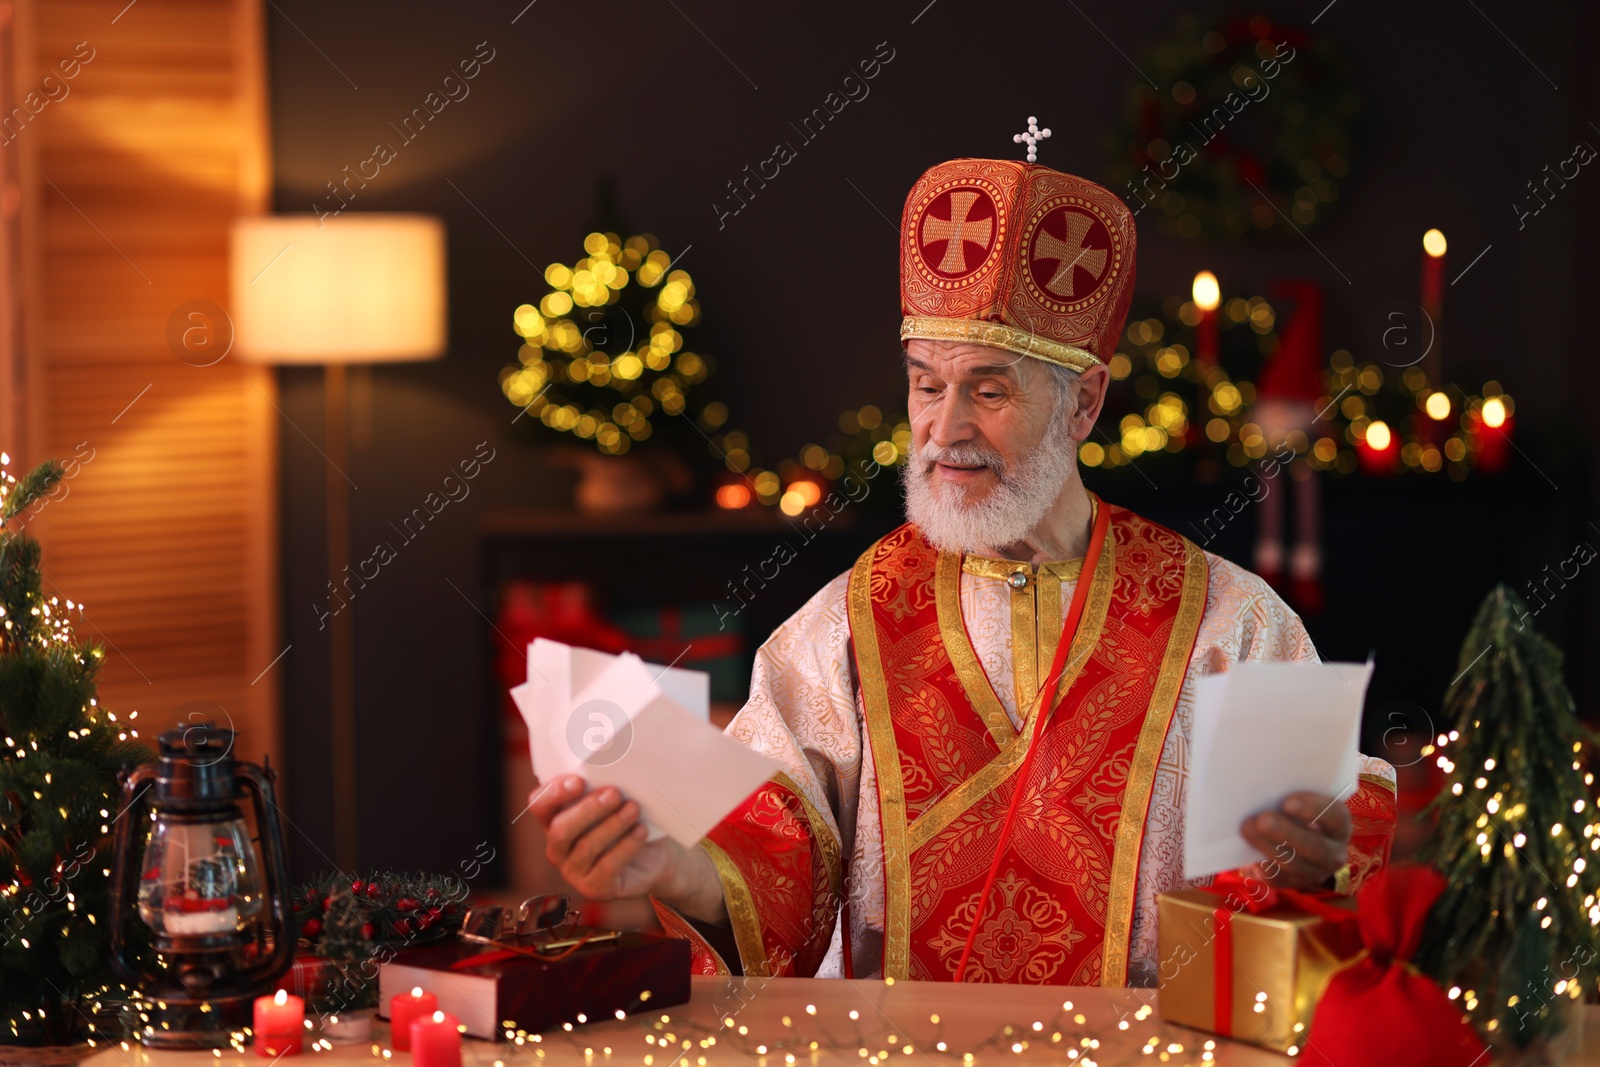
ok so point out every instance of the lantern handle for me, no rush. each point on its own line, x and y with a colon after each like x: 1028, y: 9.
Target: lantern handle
x: 135, y: 782
x: 269, y: 819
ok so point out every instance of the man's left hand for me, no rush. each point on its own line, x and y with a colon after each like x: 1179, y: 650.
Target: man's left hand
x: 1304, y: 843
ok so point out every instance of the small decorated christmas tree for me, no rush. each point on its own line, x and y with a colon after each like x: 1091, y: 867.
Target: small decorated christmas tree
x: 1513, y: 939
x: 58, y: 799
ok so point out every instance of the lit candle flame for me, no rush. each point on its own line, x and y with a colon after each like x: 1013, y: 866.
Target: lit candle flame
x: 1207, y: 293
x: 1434, y: 244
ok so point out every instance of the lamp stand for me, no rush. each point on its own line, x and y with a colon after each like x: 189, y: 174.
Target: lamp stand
x: 341, y: 635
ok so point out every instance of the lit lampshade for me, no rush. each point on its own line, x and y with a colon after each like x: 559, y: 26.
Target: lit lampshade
x: 360, y: 288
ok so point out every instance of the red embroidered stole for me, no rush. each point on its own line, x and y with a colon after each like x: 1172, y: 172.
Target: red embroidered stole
x: 947, y: 759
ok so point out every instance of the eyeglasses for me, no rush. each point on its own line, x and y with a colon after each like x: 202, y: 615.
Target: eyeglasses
x: 536, y: 927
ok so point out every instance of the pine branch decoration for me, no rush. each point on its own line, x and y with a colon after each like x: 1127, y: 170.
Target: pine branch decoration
x: 1513, y: 937
x: 358, y: 924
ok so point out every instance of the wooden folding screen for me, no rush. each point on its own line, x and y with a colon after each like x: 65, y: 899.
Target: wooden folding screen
x: 135, y: 133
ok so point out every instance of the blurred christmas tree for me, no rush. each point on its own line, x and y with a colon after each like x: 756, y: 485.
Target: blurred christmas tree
x: 1513, y: 938
x: 604, y: 356
x: 58, y: 790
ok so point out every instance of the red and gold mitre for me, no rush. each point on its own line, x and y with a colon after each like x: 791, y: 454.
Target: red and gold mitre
x: 1016, y: 256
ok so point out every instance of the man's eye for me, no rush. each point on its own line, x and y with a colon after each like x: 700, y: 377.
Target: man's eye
x: 927, y: 390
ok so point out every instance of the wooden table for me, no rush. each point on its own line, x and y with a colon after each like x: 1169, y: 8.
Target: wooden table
x: 971, y: 1018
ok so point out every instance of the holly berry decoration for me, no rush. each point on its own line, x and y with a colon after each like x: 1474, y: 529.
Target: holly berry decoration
x: 349, y: 921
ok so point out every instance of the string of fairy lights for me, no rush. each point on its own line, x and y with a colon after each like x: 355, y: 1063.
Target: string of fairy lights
x: 666, y: 1040
x: 1507, y: 825
x: 576, y: 379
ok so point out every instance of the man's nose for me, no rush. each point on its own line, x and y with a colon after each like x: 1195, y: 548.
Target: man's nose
x: 951, y: 421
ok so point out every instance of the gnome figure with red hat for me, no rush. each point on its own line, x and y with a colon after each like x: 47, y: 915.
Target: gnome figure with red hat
x: 1285, y: 408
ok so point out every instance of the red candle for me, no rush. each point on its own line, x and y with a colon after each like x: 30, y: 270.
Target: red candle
x: 280, y: 1024
x: 405, y: 1007
x: 1378, y: 448
x: 436, y: 1040
x: 1433, y: 249
x: 1491, y: 428
x: 1207, y: 298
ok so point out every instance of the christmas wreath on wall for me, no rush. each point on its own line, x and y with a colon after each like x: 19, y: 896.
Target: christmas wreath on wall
x: 1246, y: 129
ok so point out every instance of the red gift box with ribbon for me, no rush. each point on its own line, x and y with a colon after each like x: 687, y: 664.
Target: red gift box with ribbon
x: 1249, y: 962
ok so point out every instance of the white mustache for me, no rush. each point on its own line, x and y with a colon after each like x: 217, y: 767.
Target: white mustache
x: 963, y: 456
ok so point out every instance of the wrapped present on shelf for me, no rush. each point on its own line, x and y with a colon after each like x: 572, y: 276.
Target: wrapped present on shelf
x: 691, y: 636
x: 1249, y: 962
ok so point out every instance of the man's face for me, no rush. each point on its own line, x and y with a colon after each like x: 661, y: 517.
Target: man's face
x: 977, y: 413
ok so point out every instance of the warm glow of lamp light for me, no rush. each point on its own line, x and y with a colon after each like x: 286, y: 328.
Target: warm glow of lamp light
x: 1378, y: 435
x: 361, y: 288
x: 1494, y: 413
x: 1207, y: 293
x: 1437, y: 406
x: 733, y: 496
x: 1434, y: 244
x: 358, y: 288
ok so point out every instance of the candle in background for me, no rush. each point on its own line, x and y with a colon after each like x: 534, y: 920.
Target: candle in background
x: 405, y: 1007
x: 1492, y: 434
x: 1433, y: 249
x: 1207, y: 298
x: 436, y: 1040
x: 280, y: 1024
x: 1377, y: 449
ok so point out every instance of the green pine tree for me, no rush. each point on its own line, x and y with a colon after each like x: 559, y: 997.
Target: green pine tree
x: 1513, y: 937
x: 58, y: 799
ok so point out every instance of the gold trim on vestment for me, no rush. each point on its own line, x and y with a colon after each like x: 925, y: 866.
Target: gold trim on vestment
x: 1036, y: 621
x: 886, y: 762
x: 742, y: 913
x: 674, y: 923
x: 1048, y: 621
x: 990, y: 567
x: 821, y: 833
x: 957, y: 643
x: 988, y: 777
x: 1025, y: 644
x: 1142, y: 768
x: 998, y: 335
x: 1378, y: 779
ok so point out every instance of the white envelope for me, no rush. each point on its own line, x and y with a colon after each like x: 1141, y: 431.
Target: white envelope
x: 1260, y: 732
x: 618, y: 721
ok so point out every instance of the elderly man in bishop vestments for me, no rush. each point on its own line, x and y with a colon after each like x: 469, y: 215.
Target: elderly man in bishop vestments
x: 984, y: 724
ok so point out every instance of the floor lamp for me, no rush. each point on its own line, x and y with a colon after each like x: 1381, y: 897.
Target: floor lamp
x: 361, y: 288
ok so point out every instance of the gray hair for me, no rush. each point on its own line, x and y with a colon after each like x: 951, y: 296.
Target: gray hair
x: 1064, y: 382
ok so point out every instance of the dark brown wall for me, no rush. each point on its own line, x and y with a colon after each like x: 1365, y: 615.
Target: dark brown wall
x: 799, y: 288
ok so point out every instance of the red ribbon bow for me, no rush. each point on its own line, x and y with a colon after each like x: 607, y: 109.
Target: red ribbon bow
x: 1254, y: 895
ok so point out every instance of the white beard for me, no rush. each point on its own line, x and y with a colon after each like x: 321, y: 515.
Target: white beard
x: 1008, y: 512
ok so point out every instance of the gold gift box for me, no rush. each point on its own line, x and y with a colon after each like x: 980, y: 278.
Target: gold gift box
x: 1284, y: 952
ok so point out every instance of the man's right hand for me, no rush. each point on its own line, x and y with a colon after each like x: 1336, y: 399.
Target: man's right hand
x: 598, y: 844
